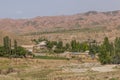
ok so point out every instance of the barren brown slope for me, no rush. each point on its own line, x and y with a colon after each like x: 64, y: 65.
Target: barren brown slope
x: 94, y: 23
x: 89, y: 19
x: 20, y: 39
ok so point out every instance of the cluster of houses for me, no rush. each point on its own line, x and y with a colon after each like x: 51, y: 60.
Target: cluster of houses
x: 41, y: 49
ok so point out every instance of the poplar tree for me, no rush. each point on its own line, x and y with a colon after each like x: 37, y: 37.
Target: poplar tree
x: 7, y: 44
x: 105, y: 55
x: 116, y: 55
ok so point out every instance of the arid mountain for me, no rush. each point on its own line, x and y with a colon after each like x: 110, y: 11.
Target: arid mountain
x: 91, y: 23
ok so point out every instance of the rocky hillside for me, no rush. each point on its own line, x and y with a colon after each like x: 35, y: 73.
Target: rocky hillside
x: 90, y: 19
x: 92, y: 23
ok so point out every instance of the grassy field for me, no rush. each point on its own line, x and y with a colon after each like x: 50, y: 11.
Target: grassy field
x: 52, y: 69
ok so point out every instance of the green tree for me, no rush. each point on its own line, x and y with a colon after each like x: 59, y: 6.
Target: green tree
x: 116, y: 55
x: 93, y: 50
x: 15, y: 44
x: 105, y: 55
x: 59, y: 45
x: 7, y: 45
x: 2, y: 51
x: 73, y: 45
x: 84, y: 46
x: 67, y: 46
x: 21, y: 52
x: 50, y: 45
x: 15, y: 47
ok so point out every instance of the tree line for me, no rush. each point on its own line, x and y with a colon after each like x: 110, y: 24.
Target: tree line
x: 60, y: 47
x: 9, y: 50
x: 108, y: 52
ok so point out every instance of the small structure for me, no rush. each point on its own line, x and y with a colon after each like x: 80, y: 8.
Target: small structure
x: 77, y: 55
x: 40, y: 47
x: 80, y: 56
x: 83, y: 55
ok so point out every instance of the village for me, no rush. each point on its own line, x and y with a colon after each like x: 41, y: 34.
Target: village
x: 41, y: 49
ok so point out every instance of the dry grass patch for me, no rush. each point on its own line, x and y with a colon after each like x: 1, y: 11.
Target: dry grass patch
x: 45, y: 69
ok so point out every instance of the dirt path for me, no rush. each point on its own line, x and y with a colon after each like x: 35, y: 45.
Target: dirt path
x: 105, y: 68
x: 88, y: 67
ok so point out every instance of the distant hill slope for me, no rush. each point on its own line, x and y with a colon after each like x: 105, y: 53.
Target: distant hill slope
x: 90, y: 24
x: 90, y: 19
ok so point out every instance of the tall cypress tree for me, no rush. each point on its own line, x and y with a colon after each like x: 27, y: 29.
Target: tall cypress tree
x: 116, y: 55
x: 15, y: 44
x: 73, y: 45
x: 15, y: 47
x: 7, y: 44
